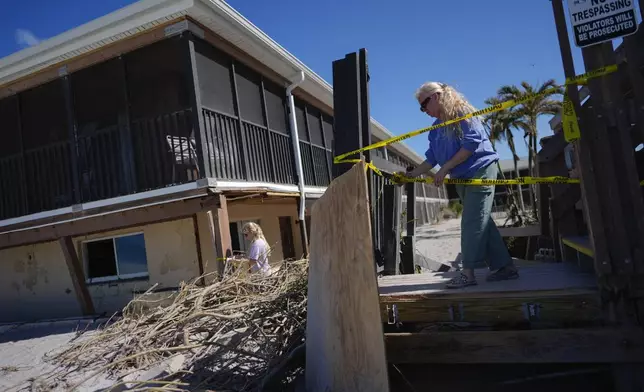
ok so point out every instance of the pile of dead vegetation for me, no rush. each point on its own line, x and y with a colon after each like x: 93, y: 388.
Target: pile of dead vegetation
x: 236, y: 333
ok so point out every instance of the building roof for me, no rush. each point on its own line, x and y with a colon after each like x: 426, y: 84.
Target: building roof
x: 144, y: 15
x: 508, y: 164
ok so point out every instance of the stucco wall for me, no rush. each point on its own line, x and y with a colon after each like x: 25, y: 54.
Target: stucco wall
x: 35, y: 281
x: 268, y: 213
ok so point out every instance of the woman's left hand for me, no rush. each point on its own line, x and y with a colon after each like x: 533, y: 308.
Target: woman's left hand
x: 440, y: 176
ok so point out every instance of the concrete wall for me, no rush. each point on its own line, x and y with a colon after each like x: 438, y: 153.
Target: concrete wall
x: 35, y: 282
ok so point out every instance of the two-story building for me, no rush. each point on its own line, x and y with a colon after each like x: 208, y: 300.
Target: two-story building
x: 134, y: 147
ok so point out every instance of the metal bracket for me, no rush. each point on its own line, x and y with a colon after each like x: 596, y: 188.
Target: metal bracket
x: 531, y: 311
x: 392, y: 314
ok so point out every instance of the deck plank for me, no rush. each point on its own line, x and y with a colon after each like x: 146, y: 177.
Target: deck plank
x: 545, y: 277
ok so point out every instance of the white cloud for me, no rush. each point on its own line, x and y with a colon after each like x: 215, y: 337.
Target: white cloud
x: 26, y: 38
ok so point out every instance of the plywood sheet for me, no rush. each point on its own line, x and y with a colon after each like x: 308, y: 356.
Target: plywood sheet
x: 344, y: 337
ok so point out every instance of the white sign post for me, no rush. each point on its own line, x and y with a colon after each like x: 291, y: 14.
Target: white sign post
x: 596, y: 21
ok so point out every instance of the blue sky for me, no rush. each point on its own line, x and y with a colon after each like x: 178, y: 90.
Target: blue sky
x: 474, y: 45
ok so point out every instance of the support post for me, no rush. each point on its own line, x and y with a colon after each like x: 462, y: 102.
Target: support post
x: 352, y: 119
x: 392, y: 200
x: 77, y: 275
x: 73, y: 138
x: 200, y: 256
x: 409, y: 240
x: 347, y: 122
x: 219, y: 228
x: 196, y: 119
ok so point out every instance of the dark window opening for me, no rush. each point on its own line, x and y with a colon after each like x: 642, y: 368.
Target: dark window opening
x: 44, y: 115
x: 157, y: 79
x: 276, y: 107
x: 99, y: 96
x: 286, y: 235
x: 249, y: 94
x: 214, y: 74
x: 116, y: 258
x: 327, y: 124
x: 315, y: 130
x: 301, y: 124
x: 10, y: 120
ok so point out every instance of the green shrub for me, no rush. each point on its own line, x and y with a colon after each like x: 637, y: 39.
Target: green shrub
x: 457, y: 207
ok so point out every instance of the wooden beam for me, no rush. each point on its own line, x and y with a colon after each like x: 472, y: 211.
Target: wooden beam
x: 620, y: 194
x: 584, y: 151
x: 116, y: 205
x: 88, y: 59
x: 219, y: 228
x: 111, y: 221
x: 606, y: 345
x: 567, y: 307
x: 195, y: 226
x: 344, y: 337
x: 77, y: 275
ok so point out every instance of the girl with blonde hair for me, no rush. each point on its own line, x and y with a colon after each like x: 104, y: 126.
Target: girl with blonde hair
x: 464, y: 151
x: 258, y: 252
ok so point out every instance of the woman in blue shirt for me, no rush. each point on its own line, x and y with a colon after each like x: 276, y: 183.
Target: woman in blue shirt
x: 463, y: 150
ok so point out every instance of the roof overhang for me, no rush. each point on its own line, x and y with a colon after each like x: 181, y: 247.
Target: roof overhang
x: 144, y: 15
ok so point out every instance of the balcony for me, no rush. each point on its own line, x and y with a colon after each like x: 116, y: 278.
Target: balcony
x: 163, y: 115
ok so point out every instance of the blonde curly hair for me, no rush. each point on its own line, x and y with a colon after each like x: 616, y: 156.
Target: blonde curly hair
x: 254, y: 230
x: 451, y: 103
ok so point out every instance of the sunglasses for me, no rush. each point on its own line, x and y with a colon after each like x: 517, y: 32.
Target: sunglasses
x: 424, y: 103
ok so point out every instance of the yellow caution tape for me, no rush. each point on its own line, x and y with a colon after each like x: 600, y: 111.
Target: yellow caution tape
x: 399, y: 178
x: 569, y: 120
x: 491, y: 109
x: 570, y: 126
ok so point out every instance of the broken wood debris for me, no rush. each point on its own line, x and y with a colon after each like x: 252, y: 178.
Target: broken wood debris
x: 229, y: 335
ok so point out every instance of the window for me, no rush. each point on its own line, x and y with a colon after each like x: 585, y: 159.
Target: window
x: 301, y: 124
x: 115, y: 258
x: 10, y: 120
x: 313, y: 116
x: 156, y: 79
x: 275, y: 107
x: 250, y: 95
x: 215, y: 86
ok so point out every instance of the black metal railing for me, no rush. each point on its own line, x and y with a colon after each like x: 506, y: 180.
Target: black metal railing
x: 150, y: 153
x: 48, y: 177
x: 163, y: 151
x: 269, y: 153
x: 316, y: 164
x: 147, y: 154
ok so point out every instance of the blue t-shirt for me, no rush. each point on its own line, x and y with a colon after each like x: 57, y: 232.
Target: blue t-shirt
x: 443, y: 144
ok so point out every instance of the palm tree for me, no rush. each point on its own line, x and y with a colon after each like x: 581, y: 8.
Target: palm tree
x: 527, y: 113
x: 499, y: 126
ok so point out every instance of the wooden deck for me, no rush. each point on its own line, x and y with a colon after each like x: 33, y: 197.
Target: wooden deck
x: 546, y: 292
x: 533, y: 277
x: 552, y: 314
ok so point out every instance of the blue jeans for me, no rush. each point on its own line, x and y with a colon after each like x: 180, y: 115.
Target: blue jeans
x: 480, y: 238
